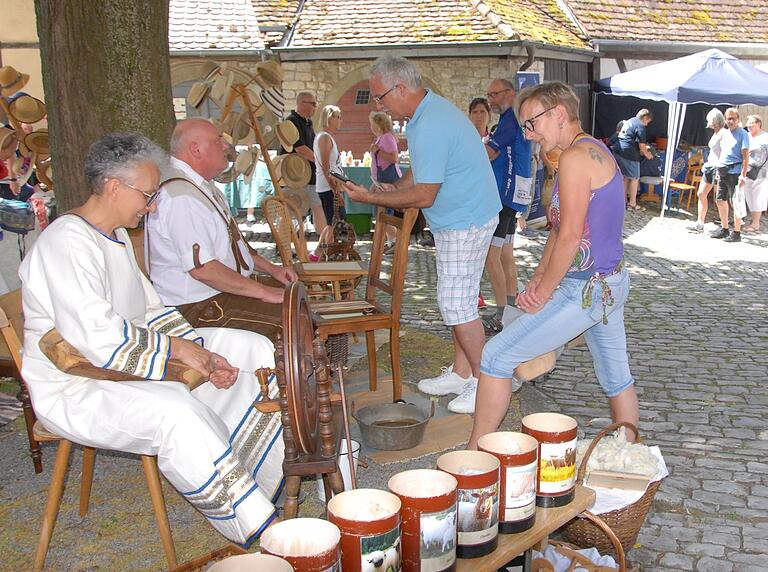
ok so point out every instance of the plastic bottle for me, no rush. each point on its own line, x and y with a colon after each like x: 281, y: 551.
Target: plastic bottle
x: 396, y: 127
x: 367, y: 159
x: 405, y: 125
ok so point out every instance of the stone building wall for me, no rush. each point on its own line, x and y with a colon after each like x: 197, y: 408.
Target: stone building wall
x: 458, y: 79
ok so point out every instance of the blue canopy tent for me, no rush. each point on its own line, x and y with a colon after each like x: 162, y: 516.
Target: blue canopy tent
x: 711, y: 77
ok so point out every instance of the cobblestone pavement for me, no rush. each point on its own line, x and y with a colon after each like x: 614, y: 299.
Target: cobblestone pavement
x: 698, y: 344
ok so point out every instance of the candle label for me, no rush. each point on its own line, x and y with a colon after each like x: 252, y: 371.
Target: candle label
x: 557, y: 467
x: 438, y: 539
x: 520, y: 497
x: 381, y: 551
x: 478, y: 514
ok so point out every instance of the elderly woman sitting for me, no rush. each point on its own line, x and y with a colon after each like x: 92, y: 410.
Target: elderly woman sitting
x: 81, y: 278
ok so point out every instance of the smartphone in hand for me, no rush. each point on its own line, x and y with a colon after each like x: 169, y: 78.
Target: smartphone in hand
x: 340, y: 177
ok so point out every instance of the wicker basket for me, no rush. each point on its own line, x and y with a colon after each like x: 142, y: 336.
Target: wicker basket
x: 624, y: 522
x: 337, y: 348
x: 579, y: 562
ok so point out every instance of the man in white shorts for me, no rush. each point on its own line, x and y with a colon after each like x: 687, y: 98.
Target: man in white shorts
x: 452, y: 181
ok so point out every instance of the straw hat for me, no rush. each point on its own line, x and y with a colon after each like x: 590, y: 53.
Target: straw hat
x: 43, y: 170
x: 208, y: 70
x: 37, y: 141
x: 8, y: 142
x: 197, y: 94
x: 292, y: 170
x: 274, y: 100
x: 227, y: 176
x: 269, y: 74
x: 245, y: 160
x: 23, y: 176
x: 299, y: 199
x: 27, y: 109
x: 11, y: 80
x: 222, y: 85
x: 256, y: 103
x: 287, y: 134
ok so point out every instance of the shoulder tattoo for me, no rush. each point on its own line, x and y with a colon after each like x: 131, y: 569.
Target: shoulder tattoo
x: 595, y: 156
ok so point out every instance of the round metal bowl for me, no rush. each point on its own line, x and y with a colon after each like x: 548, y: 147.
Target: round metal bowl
x: 392, y: 426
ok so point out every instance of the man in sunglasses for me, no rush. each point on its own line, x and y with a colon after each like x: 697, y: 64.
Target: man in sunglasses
x: 195, y: 254
x: 510, y: 155
x: 452, y: 181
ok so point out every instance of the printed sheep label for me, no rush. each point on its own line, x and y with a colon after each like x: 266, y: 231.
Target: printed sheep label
x: 438, y: 540
x: 478, y: 515
x: 520, y: 492
x: 557, y: 467
x: 380, y: 552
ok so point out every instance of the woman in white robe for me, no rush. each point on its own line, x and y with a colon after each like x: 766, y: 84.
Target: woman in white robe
x: 81, y: 278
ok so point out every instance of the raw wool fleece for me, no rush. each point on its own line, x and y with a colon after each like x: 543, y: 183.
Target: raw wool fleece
x: 614, y: 453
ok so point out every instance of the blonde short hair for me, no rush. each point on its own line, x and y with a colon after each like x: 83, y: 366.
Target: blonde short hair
x: 551, y: 94
x: 328, y: 112
x: 381, y: 120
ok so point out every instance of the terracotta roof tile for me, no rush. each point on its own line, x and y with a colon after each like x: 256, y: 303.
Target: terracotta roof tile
x: 213, y: 24
x: 274, y: 13
x: 674, y: 20
x: 382, y: 22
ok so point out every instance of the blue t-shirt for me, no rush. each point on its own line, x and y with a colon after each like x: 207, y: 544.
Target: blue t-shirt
x: 731, y: 145
x: 512, y: 166
x: 631, y: 135
x: 445, y: 149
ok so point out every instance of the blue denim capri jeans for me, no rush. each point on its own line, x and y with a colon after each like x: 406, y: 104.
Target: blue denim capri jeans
x: 562, y: 319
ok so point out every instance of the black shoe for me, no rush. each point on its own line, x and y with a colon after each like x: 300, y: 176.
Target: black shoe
x: 733, y: 237
x: 719, y: 233
x: 427, y: 239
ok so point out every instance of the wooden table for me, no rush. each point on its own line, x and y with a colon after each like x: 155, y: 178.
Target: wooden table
x: 333, y: 273
x: 512, y: 545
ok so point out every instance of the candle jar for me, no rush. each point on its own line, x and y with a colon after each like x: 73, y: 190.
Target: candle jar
x: 307, y: 544
x: 556, y: 474
x: 517, y: 454
x: 477, y: 477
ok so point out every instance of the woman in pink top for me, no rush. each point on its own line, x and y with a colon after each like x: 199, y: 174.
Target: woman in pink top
x: 384, y: 167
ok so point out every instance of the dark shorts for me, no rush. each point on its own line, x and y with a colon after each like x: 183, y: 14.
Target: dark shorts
x: 326, y: 199
x: 630, y: 169
x: 708, y: 172
x: 505, y: 230
x: 726, y: 185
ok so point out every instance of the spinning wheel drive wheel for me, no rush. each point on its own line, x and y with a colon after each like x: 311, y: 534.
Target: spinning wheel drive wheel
x: 299, y: 367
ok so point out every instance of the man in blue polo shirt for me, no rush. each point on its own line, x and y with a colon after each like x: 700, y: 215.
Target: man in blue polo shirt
x: 510, y: 155
x: 452, y: 181
x: 734, y: 158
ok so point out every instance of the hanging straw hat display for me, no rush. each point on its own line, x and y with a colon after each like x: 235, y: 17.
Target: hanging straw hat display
x: 11, y: 80
x: 287, y: 134
x: 197, y: 94
x: 293, y: 171
x: 256, y: 103
x: 37, y: 141
x: 245, y: 160
x: 44, y: 174
x: 298, y: 199
x: 227, y: 176
x: 274, y: 100
x: 222, y: 85
x: 269, y: 74
x: 27, y: 109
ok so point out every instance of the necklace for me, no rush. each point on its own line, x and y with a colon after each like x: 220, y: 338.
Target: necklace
x: 576, y: 137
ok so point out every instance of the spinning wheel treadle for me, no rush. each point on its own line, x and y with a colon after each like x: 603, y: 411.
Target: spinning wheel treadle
x: 299, y: 368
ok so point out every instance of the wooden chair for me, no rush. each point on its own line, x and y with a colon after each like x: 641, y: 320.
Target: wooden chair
x: 692, y: 179
x: 376, y: 316
x: 288, y: 231
x: 10, y: 331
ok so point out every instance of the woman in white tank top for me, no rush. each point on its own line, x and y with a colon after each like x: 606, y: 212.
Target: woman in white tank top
x: 327, y: 161
x: 716, y: 122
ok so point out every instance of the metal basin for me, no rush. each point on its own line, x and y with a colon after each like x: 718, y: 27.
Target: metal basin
x: 392, y: 426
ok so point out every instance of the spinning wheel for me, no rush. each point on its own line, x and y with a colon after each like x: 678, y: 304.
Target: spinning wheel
x: 299, y: 369
x: 310, y: 428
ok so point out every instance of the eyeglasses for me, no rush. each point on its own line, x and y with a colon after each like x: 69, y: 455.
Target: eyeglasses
x: 495, y: 93
x: 530, y: 124
x: 151, y: 197
x: 378, y: 98
x: 312, y: 103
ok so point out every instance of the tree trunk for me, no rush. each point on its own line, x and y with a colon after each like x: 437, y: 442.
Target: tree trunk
x: 105, y: 68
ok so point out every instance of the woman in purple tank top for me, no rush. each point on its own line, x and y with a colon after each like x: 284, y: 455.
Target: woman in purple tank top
x: 580, y: 285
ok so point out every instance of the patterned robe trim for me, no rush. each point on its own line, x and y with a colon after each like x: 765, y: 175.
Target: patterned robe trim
x: 172, y: 323
x: 140, y: 353
x: 231, y: 482
x: 251, y: 536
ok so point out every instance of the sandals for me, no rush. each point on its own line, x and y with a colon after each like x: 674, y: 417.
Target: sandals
x: 749, y: 228
x: 635, y: 208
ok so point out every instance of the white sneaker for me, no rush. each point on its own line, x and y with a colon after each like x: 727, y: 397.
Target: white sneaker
x: 465, y: 402
x: 445, y: 383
